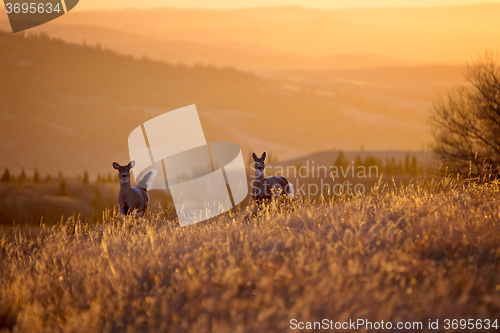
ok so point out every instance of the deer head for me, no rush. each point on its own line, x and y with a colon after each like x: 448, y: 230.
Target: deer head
x: 124, y: 171
x: 259, y: 163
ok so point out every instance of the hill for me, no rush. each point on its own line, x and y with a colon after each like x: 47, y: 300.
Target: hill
x: 289, y: 37
x: 69, y: 107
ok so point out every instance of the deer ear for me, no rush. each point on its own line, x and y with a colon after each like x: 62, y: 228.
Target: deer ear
x: 254, y: 157
x: 263, y: 157
x: 131, y: 164
x: 116, y: 165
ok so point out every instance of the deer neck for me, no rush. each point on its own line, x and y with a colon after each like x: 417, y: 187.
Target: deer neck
x: 124, y: 185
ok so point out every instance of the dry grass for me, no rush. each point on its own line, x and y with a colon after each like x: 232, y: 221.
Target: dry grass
x: 409, y: 253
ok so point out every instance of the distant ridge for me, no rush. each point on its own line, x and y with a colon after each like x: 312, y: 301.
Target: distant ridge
x: 291, y: 37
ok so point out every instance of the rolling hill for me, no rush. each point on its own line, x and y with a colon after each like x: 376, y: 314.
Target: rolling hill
x: 69, y: 107
x: 288, y: 37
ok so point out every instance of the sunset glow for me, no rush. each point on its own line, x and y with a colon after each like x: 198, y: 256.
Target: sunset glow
x: 219, y: 4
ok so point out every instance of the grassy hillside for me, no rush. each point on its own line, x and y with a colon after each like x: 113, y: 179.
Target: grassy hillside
x: 26, y: 202
x: 402, y: 254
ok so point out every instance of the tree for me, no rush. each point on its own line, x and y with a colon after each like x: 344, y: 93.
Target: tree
x: 372, y: 161
x: 341, y: 161
x: 36, y: 177
x: 391, y: 167
x: 62, y: 190
x: 358, y: 161
x: 22, y: 176
x: 6, y: 178
x: 85, y: 179
x: 407, y: 163
x: 414, y: 169
x: 466, y: 122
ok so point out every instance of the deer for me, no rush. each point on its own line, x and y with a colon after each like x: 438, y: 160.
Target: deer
x: 133, y: 198
x: 267, y: 188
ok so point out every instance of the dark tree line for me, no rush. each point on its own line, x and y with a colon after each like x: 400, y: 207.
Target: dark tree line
x: 391, y: 166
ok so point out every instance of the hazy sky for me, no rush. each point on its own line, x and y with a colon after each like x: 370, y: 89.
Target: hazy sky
x: 91, y: 4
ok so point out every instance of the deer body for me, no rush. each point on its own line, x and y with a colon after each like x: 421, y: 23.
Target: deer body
x: 267, y: 188
x: 133, y: 198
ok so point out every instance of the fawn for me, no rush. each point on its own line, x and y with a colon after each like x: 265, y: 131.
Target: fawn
x: 133, y: 198
x: 265, y: 188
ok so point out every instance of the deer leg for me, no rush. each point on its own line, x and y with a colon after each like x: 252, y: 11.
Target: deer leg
x: 124, y: 209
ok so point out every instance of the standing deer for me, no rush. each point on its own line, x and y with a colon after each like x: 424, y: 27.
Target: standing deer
x: 265, y: 188
x: 133, y: 198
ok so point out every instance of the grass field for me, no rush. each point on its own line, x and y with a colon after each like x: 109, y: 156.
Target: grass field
x: 429, y: 250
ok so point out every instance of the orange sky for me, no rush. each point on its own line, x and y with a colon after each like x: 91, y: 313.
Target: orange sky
x: 94, y: 4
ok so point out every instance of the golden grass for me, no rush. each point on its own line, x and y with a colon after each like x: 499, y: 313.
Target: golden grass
x: 408, y: 253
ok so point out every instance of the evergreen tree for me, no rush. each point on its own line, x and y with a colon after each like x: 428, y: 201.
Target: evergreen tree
x: 358, y: 161
x: 85, y: 179
x: 414, y: 166
x: 391, y: 167
x: 371, y: 161
x: 61, y: 189
x: 6, y: 178
x: 36, y: 177
x: 22, y: 176
x: 407, y: 166
x: 341, y: 161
